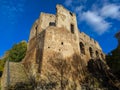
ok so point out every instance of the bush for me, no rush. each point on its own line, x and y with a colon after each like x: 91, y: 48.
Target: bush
x: 113, y: 60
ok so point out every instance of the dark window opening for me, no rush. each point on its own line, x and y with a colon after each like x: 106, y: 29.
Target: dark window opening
x: 52, y: 24
x: 102, y: 56
x: 1, y: 73
x: 71, y: 13
x: 36, y: 27
x: 48, y: 47
x: 61, y: 43
x: 72, y: 28
x: 82, y: 48
x: 91, y: 52
x: 97, y: 54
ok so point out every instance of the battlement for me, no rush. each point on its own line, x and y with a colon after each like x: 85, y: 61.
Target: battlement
x: 85, y: 38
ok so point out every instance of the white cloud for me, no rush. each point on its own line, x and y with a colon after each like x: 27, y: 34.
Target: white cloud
x: 97, y: 14
x: 68, y: 2
x: 111, y: 11
x: 97, y: 22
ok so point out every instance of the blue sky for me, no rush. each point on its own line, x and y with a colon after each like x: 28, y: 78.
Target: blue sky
x: 100, y: 19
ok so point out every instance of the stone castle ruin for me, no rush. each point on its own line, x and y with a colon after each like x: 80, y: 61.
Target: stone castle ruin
x: 56, y: 48
x: 52, y: 34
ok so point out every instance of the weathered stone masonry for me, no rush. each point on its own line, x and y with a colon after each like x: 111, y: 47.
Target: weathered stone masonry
x: 58, y: 34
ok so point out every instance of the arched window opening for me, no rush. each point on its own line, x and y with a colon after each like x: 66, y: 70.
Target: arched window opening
x: 91, y: 52
x: 82, y: 48
x: 97, y: 54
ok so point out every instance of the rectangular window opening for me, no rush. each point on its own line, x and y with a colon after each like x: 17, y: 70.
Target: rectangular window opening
x: 72, y: 28
x: 52, y: 24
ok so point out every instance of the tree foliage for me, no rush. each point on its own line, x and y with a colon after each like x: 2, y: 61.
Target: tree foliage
x: 113, y: 60
x: 18, y: 51
x: 15, y: 54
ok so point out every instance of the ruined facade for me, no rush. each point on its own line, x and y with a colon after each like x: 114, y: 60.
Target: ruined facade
x: 58, y: 34
x: 55, y: 39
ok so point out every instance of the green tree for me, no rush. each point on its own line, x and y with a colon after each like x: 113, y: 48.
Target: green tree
x: 18, y: 51
x: 15, y: 54
x: 113, y: 60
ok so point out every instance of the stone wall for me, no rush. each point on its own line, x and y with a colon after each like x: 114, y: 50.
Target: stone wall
x: 33, y: 30
x: 90, y: 43
x: 13, y: 73
x: 46, y: 20
x: 89, y: 40
x: 65, y: 18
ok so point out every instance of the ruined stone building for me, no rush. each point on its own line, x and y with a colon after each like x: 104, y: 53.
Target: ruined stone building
x: 52, y: 34
x: 54, y: 38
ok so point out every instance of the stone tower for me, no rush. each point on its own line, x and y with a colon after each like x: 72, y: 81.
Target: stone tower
x: 117, y: 35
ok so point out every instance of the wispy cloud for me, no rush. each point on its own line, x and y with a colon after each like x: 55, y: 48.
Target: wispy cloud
x: 111, y: 11
x: 97, y: 22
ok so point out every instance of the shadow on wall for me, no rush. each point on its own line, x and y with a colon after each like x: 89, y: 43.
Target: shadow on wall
x: 40, y: 46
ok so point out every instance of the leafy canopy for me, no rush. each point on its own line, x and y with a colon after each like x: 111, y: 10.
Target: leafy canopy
x: 113, y: 59
x: 18, y: 51
x: 15, y: 54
